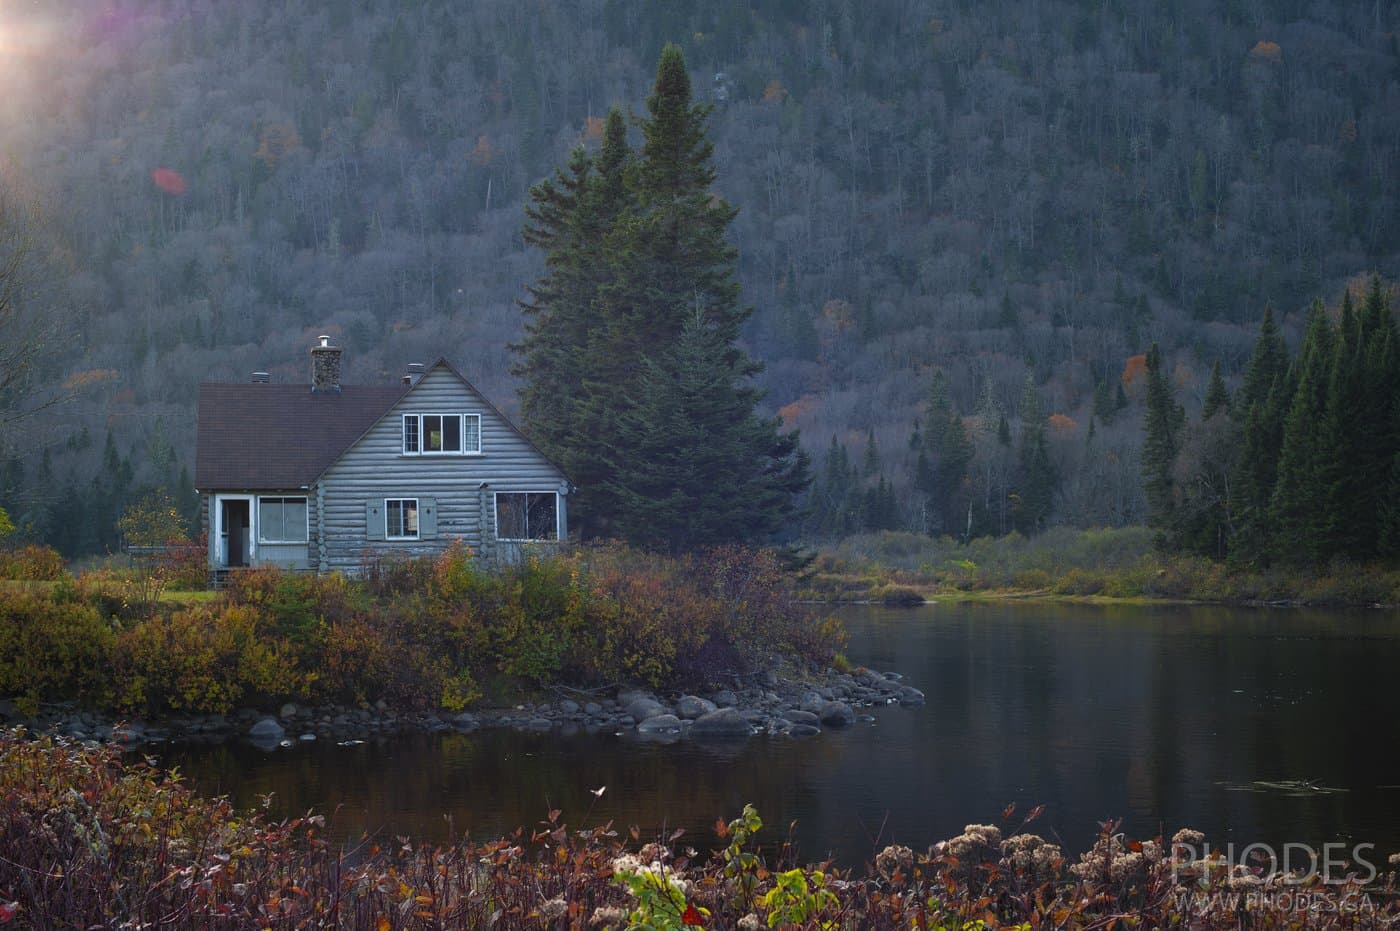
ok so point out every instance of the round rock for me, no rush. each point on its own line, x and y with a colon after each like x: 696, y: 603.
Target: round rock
x: 911, y: 697
x: 660, y: 724
x: 836, y: 714
x: 723, y: 722
x: 642, y: 708
x: 691, y: 706
x: 802, y: 717
x: 267, y: 730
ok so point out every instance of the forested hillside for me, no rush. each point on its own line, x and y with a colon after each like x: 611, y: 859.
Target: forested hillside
x: 1021, y: 196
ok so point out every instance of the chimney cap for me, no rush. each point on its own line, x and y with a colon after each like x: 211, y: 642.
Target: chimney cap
x: 416, y: 368
x: 323, y: 341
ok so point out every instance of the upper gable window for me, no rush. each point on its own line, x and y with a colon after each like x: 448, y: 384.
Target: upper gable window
x: 441, y: 434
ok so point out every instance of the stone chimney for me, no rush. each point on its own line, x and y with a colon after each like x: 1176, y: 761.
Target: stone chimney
x: 325, y: 367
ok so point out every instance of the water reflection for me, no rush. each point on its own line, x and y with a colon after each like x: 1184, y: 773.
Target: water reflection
x: 1157, y: 715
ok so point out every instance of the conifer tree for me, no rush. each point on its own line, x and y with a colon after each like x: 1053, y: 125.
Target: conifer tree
x: 646, y: 250
x: 1162, y: 426
x: 1036, y: 478
x: 1208, y: 456
x: 695, y: 466
x: 943, y: 460
x: 871, y: 464
x: 1262, y: 406
x: 1348, y: 464
x: 1299, y: 508
x: 571, y: 217
x: 1217, y: 398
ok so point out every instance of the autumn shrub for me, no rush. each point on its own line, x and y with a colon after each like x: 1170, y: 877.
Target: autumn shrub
x: 186, y: 564
x: 116, y: 593
x: 53, y: 646
x: 206, y: 659
x: 92, y: 841
x: 31, y: 563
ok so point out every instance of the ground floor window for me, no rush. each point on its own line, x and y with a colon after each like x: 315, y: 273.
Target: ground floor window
x: 282, y: 520
x: 527, y: 515
x: 401, y: 518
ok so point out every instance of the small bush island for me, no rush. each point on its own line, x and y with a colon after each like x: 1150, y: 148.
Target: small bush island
x: 418, y: 633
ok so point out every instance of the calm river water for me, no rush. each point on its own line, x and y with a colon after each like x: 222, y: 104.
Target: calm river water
x: 1267, y: 725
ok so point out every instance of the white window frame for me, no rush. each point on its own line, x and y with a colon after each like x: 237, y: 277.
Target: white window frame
x: 306, y: 537
x: 496, y: 506
x: 420, y: 435
x: 417, y: 521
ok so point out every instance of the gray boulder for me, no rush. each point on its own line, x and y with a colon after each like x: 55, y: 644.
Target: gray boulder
x: 660, y: 724
x: 804, y: 730
x: 643, y: 707
x: 725, y: 699
x: 289, y: 710
x: 723, y: 722
x: 911, y: 697
x: 266, y: 731
x: 836, y: 714
x: 691, y: 706
x: 802, y: 717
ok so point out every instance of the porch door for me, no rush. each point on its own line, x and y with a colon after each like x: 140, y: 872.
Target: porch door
x: 234, y: 532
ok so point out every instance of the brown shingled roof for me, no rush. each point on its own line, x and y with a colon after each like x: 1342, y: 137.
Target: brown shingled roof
x: 261, y: 437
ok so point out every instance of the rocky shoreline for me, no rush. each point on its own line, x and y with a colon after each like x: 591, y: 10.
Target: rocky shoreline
x: 773, y: 705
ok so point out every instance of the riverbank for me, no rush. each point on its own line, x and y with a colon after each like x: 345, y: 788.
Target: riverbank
x: 1108, y: 566
x: 774, y: 705
x: 92, y: 840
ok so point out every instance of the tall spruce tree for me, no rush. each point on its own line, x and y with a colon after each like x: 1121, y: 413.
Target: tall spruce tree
x: 694, y: 465
x: 943, y: 461
x: 1162, y: 425
x: 571, y: 217
x: 1036, y: 478
x: 1217, y: 398
x: 1261, y: 408
x: 1299, y: 509
x: 663, y: 318
x: 1204, y: 463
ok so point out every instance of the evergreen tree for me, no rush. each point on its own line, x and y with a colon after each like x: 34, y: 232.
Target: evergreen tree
x: 1299, y: 508
x: 1036, y: 478
x: 646, y: 255
x: 943, y: 461
x: 1217, y: 398
x: 696, y: 467
x: 871, y: 465
x: 834, y: 511
x: 1162, y: 426
x: 571, y: 217
x: 1349, y: 462
x: 1262, y: 406
x: 1207, y: 458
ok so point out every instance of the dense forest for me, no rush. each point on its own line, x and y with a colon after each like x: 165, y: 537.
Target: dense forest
x: 959, y: 223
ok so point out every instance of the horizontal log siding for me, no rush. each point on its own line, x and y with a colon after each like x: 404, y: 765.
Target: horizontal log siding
x: 375, y: 468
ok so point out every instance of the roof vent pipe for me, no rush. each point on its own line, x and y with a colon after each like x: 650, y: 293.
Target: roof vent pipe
x: 261, y: 378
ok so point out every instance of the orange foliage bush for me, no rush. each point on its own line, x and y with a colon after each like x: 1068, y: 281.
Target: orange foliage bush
x: 31, y: 563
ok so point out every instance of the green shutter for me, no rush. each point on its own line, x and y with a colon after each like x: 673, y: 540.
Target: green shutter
x: 374, y: 520
x: 427, y: 518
